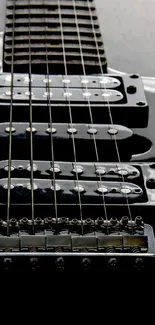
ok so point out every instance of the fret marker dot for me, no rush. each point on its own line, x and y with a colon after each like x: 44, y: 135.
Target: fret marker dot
x: 56, y: 188
x: 8, y: 129
x: 72, y: 131
x: 67, y: 95
x: 79, y: 188
x: 51, y: 130
x: 112, y: 131
x: 29, y: 130
x: 92, y: 131
x: 102, y: 189
x: 125, y: 190
x: 77, y: 169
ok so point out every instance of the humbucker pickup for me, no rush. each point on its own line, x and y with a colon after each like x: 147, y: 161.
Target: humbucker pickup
x: 67, y: 192
x: 123, y: 94
x: 99, y: 186
x: 68, y: 170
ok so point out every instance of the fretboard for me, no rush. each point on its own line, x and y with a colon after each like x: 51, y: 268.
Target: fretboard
x: 60, y: 33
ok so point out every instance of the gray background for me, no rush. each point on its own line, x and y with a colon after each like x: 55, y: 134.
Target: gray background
x: 128, y: 28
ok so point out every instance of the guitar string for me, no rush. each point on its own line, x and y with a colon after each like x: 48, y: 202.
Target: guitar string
x: 11, y: 124
x: 90, y: 112
x: 109, y: 109
x: 31, y: 120
x: 30, y: 87
x: 70, y: 113
x: 50, y: 117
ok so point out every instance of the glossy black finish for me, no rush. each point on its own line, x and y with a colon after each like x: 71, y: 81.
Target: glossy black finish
x: 143, y: 206
x: 64, y: 140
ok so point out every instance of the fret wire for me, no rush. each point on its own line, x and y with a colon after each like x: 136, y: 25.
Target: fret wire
x: 110, y: 114
x: 90, y: 111
x: 70, y: 112
x: 51, y: 121
x: 10, y: 125
x: 31, y: 122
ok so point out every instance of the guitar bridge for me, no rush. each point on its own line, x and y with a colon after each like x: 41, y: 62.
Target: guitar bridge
x: 104, y: 252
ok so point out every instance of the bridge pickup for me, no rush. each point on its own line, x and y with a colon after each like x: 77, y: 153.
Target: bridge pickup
x: 141, y: 178
x: 68, y: 141
x: 67, y: 170
x: 124, y: 94
x: 68, y: 192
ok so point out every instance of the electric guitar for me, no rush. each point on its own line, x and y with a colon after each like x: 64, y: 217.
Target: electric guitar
x: 77, y: 170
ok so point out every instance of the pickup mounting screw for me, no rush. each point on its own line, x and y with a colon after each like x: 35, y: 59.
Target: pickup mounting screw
x: 60, y: 264
x: 113, y: 261
x: 7, y: 263
x: 151, y: 183
x: 86, y: 263
x: 131, y: 89
x: 34, y: 264
x: 134, y: 76
x: 141, y: 104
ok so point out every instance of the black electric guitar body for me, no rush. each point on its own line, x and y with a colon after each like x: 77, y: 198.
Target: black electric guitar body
x: 77, y: 139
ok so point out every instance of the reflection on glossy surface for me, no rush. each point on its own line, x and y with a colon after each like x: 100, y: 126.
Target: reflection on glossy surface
x: 149, y: 82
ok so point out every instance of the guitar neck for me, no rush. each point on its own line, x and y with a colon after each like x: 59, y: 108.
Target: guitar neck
x: 64, y: 35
